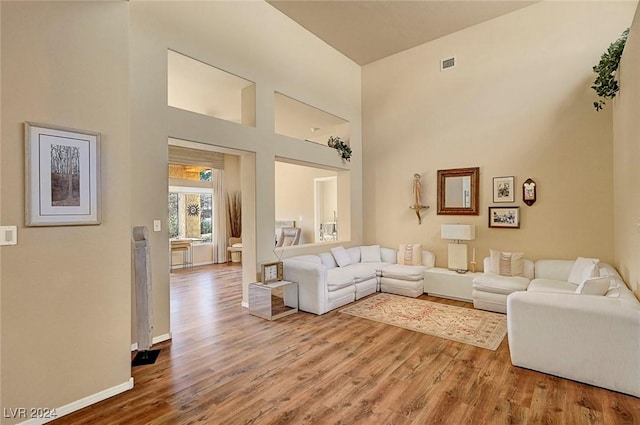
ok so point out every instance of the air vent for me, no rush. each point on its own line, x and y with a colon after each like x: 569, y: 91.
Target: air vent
x: 447, y: 63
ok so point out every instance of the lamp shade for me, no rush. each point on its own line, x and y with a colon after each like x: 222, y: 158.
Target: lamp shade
x: 461, y: 232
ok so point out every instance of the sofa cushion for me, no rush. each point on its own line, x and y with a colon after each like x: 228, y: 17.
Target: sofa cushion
x: 583, y: 269
x: 341, y: 255
x: 364, y: 271
x: 410, y: 254
x: 507, y: 263
x: 594, y: 286
x: 339, y: 277
x: 625, y: 294
x: 403, y: 272
x: 370, y: 254
x: 354, y: 253
x: 489, y: 282
x: 615, y: 280
x: 388, y: 255
x: 551, y: 285
x: 328, y: 260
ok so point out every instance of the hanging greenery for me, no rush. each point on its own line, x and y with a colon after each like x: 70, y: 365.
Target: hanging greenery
x: 343, y: 149
x: 605, y: 84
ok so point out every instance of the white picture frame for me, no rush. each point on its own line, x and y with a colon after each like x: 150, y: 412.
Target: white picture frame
x: 504, y: 189
x: 62, y: 176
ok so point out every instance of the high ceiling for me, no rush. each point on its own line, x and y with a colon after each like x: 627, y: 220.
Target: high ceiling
x: 366, y: 30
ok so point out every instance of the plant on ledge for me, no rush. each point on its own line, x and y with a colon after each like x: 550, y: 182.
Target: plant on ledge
x: 343, y: 149
x: 605, y: 84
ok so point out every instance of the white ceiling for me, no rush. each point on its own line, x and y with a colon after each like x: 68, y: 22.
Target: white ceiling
x: 368, y: 30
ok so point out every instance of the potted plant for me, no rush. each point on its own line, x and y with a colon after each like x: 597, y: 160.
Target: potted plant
x: 343, y: 149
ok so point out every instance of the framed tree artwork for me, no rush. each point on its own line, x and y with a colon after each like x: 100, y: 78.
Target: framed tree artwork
x: 62, y: 169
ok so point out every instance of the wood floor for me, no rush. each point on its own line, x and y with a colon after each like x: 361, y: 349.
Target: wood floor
x: 225, y: 366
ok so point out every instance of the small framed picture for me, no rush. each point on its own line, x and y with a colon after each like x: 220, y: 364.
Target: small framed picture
x: 62, y: 168
x: 508, y: 217
x: 503, y: 189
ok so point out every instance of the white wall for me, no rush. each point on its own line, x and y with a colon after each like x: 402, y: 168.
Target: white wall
x: 626, y: 131
x: 518, y: 104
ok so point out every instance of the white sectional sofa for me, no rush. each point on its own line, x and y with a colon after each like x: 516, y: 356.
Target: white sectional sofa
x: 554, y: 326
x: 588, y: 338
x: 323, y: 285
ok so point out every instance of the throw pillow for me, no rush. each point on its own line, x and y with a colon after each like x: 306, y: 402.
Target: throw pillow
x: 583, y: 269
x: 410, y: 254
x: 328, y: 259
x: 507, y: 263
x: 594, y: 286
x: 341, y: 255
x: 370, y: 254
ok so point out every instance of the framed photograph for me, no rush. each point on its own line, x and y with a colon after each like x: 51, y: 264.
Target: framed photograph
x: 504, y: 189
x: 62, y: 168
x: 508, y: 217
x: 529, y: 192
x: 272, y: 272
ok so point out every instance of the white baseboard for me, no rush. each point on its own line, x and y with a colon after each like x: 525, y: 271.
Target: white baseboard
x: 206, y: 263
x: 83, y: 402
x: 155, y: 340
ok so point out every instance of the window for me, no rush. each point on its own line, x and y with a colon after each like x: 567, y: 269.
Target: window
x: 190, y: 172
x: 190, y: 214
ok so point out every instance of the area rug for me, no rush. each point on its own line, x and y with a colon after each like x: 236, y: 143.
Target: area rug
x: 475, y: 327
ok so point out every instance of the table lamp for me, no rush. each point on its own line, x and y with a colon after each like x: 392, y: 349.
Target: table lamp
x: 458, y: 251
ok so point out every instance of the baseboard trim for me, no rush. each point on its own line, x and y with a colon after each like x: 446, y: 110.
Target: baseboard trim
x: 206, y: 263
x: 156, y: 340
x: 83, y: 402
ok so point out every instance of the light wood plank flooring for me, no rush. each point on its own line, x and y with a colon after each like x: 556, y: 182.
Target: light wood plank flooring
x: 225, y: 366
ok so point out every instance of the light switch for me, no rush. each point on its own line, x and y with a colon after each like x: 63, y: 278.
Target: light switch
x: 156, y: 226
x: 8, y: 235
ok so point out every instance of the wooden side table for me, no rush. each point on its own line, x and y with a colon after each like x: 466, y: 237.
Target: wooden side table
x: 273, y: 300
x: 449, y: 284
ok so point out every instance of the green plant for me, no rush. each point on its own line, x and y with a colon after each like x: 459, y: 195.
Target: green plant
x: 605, y: 84
x: 343, y: 149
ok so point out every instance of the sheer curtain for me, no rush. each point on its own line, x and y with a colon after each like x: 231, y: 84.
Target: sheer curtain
x: 219, y: 220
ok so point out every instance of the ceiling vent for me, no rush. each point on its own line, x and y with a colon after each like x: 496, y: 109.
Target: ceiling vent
x: 447, y: 63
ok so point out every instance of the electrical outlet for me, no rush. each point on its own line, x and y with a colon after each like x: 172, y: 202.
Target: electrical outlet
x: 156, y: 226
x: 8, y: 235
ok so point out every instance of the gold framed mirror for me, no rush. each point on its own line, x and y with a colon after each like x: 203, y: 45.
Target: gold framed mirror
x: 458, y: 191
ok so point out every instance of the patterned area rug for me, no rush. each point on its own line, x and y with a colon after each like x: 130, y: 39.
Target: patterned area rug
x: 476, y: 327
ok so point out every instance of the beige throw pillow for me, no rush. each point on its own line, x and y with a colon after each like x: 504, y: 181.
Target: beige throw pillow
x: 410, y: 254
x: 507, y: 263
